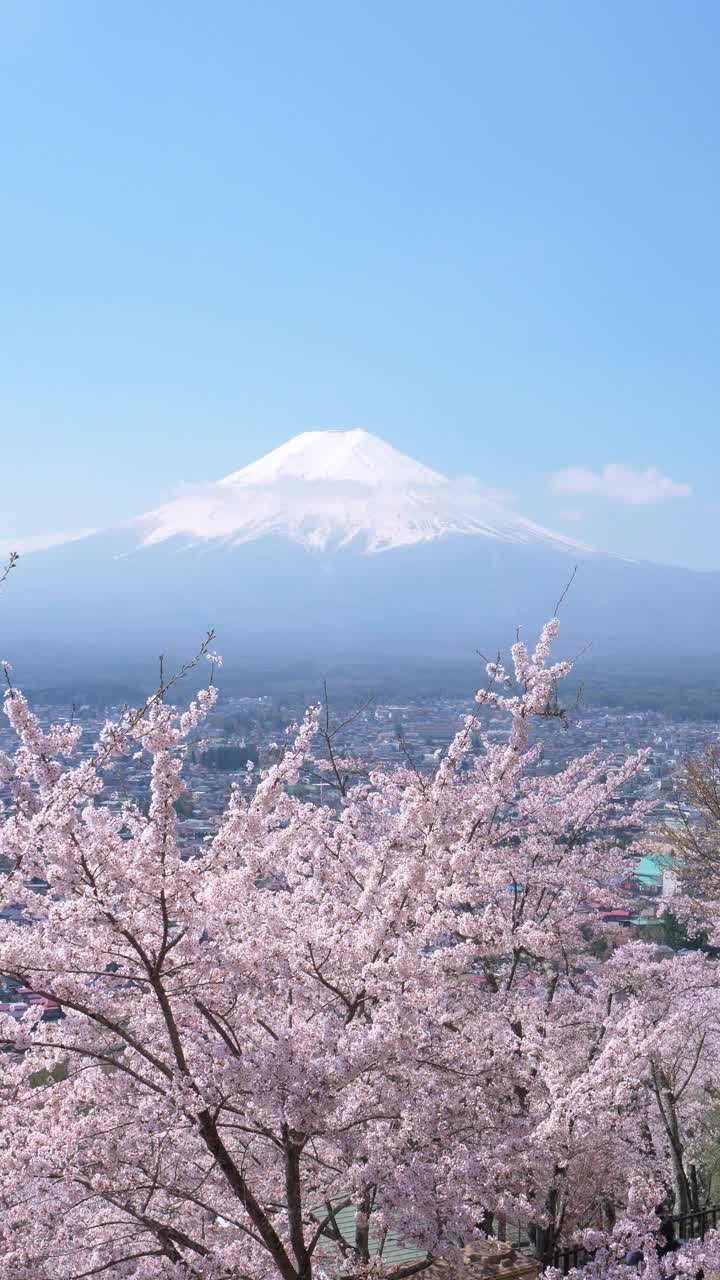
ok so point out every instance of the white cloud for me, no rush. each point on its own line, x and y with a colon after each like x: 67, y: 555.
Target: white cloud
x: 571, y: 514
x: 503, y: 497
x: 635, y: 485
x: 41, y: 541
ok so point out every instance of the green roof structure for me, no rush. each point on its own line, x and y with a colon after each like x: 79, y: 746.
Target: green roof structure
x: 392, y: 1251
x: 650, y: 870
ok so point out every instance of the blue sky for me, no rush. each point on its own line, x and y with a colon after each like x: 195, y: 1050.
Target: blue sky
x: 486, y: 232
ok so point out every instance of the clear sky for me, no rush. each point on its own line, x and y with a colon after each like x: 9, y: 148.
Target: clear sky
x: 488, y: 232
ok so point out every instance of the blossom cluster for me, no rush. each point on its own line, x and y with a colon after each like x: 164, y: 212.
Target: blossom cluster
x: 329, y: 1027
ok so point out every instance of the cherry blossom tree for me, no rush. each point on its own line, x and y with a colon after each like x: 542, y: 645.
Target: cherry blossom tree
x: 325, y: 1031
x: 676, y: 1015
x: 694, y: 835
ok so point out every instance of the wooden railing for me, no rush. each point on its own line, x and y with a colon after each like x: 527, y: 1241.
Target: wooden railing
x: 688, y: 1226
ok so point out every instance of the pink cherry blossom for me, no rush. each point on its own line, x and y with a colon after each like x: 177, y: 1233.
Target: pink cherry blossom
x: 328, y: 1026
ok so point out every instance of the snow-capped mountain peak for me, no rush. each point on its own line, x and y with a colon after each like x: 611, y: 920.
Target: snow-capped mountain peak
x: 354, y: 457
x: 328, y: 489
x: 257, y: 556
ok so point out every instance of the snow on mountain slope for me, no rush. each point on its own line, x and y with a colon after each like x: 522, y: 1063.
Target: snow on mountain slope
x: 327, y: 489
x: 354, y: 456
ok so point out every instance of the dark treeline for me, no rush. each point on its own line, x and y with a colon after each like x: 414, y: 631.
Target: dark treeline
x: 687, y: 690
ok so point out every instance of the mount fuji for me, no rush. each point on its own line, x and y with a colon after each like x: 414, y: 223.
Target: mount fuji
x: 337, y: 489
x: 336, y: 544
